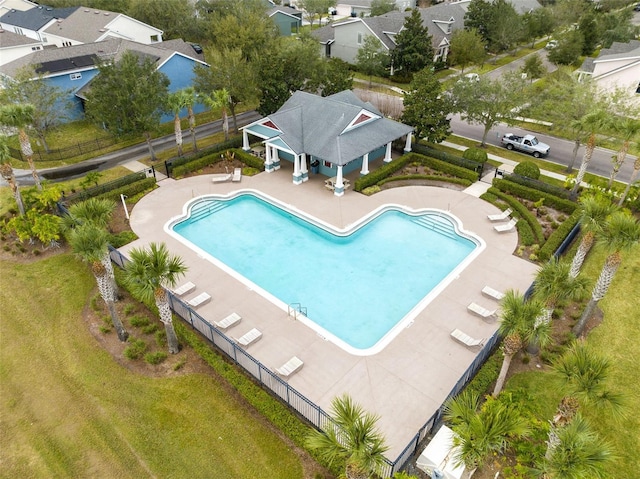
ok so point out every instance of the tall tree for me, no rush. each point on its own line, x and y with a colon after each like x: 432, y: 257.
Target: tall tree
x: 479, y: 17
x: 569, y: 48
x: 592, y: 123
x: 30, y: 87
x: 506, y: 28
x: 127, y: 97
x: 90, y: 242
x: 352, y: 436
x: 380, y: 7
x: 466, y: 48
x: 595, y: 209
x: 372, y: 58
x: 229, y: 70
x: 628, y: 130
x: 316, y: 8
x: 334, y: 76
x: 588, y: 27
x: 632, y: 179
x: 488, y: 102
x: 519, y: 326
x: 414, y: 47
x: 538, y: 23
x: 533, y: 67
x: 481, y: 433
x: 620, y: 233
x: 190, y: 99
x: 425, y: 108
x: 176, y: 18
x: 220, y: 99
x: 20, y: 116
x: 175, y: 103
x: 6, y: 171
x: 148, y: 273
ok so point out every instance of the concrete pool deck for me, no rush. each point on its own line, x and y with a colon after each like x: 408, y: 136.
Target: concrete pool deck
x: 407, y: 381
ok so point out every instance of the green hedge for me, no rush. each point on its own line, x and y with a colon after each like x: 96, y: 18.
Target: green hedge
x: 540, y: 186
x: 557, y: 237
x: 235, y: 142
x: 552, y: 201
x: 457, y: 181
x: 381, y: 173
x: 444, y: 156
x: 214, y: 157
x: 130, y: 190
x: 99, y: 190
x: 529, y: 230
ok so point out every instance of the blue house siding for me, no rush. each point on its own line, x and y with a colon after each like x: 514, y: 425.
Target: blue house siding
x: 180, y: 72
x: 286, y: 23
x: 74, y: 110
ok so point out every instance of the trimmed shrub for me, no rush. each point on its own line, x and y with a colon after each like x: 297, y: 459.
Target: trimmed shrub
x: 214, y: 157
x: 457, y: 181
x: 381, y: 173
x: 529, y: 230
x: 540, y: 186
x: 136, y: 349
x: 475, y: 154
x: 552, y: 201
x: 444, y: 156
x: 155, y: 358
x: 557, y: 237
x: 130, y: 190
x: 235, y: 142
x: 527, y: 169
x: 122, y: 238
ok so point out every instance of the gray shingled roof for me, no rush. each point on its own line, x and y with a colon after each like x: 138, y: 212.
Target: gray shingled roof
x: 617, y: 50
x: 314, y: 125
x: 35, y: 18
x: 323, y: 34
x: 287, y: 10
x: 112, y: 48
x: 10, y: 39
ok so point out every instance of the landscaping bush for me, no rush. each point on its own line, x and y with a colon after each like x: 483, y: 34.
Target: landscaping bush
x: 235, y: 142
x: 552, y: 201
x: 540, y: 186
x: 130, y: 190
x: 155, y: 358
x: 138, y: 321
x: 381, y: 173
x: 122, y: 238
x: 214, y: 157
x: 444, y: 156
x: 529, y: 230
x: 136, y: 349
x: 557, y: 237
x: 527, y: 169
x: 105, y: 187
x: 475, y: 154
x: 447, y: 179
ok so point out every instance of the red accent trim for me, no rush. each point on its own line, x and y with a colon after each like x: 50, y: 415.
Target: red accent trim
x: 269, y: 124
x: 362, y: 118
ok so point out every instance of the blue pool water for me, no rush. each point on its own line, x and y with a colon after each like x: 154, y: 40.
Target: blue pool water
x: 356, y: 285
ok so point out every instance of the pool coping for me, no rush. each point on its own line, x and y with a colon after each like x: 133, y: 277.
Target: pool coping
x: 407, y: 381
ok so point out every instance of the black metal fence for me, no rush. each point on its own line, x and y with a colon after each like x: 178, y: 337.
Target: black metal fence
x: 72, y: 151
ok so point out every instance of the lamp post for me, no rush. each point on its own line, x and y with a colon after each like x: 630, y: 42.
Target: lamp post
x: 124, y: 205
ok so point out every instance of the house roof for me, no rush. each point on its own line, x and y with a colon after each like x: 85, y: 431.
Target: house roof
x: 87, y: 55
x: 86, y: 25
x: 292, y: 12
x: 617, y: 51
x: 37, y: 17
x: 9, y: 39
x: 339, y: 128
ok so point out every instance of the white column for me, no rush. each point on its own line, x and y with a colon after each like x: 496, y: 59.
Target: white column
x: 268, y: 164
x: 245, y: 140
x: 365, y: 164
x: 297, y: 178
x: 387, y: 155
x: 407, y: 146
x: 275, y: 158
x: 339, y: 187
x: 303, y: 167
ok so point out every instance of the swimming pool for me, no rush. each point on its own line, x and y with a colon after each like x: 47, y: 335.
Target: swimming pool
x: 360, y: 286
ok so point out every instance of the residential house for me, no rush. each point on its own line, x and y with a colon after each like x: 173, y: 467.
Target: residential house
x: 334, y: 135
x: 6, y: 5
x: 64, y: 27
x: 362, y: 8
x: 14, y: 46
x: 288, y: 20
x: 617, y: 67
x: 343, y: 39
x: 72, y: 68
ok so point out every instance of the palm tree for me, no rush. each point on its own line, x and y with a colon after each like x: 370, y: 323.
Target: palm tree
x: 190, y: 101
x: 634, y: 175
x: 479, y: 434
x: 351, y: 436
x: 620, y: 233
x: 176, y: 101
x: 147, y: 274
x: 628, y: 128
x: 90, y: 242
x: 20, y: 116
x: 220, y: 99
x: 582, y: 375
x: 6, y: 171
x: 519, y: 326
x: 592, y: 123
x: 554, y: 285
x: 595, y: 210
x: 579, y: 453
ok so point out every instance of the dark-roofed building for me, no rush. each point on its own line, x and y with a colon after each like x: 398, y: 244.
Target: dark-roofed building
x: 71, y: 69
x: 288, y: 20
x: 617, y: 67
x: 31, y: 22
x: 14, y: 46
x: 334, y: 135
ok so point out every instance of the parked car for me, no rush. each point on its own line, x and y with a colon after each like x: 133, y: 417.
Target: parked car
x: 637, y: 7
x: 551, y: 44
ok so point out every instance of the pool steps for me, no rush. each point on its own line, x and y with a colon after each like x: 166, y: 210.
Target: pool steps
x: 438, y: 224
x: 208, y: 207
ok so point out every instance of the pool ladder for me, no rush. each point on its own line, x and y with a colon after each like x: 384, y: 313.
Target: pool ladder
x: 296, y: 308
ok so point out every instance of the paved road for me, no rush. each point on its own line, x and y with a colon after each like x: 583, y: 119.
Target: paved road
x: 519, y: 63
x: 132, y: 153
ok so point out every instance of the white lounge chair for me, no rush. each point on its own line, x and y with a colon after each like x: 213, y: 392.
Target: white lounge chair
x: 500, y: 216
x: 465, y: 339
x: 233, y: 318
x: 220, y: 177
x: 199, y: 300
x: 480, y: 311
x: 237, y: 175
x: 489, y: 292
x: 249, y: 337
x: 290, y: 367
x: 506, y: 227
x: 184, y: 289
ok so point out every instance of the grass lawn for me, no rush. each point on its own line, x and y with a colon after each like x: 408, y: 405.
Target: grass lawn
x: 69, y: 410
x: 616, y: 338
